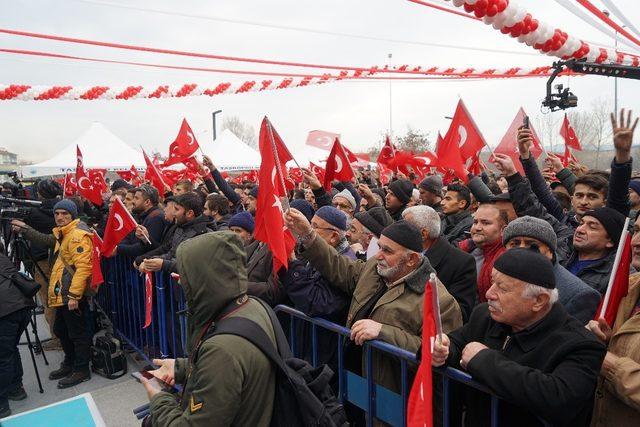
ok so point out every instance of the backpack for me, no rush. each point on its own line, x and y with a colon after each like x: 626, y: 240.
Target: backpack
x: 303, y: 396
x: 107, y: 357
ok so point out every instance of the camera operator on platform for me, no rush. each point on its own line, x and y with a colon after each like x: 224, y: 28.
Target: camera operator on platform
x: 41, y: 219
x: 72, y: 250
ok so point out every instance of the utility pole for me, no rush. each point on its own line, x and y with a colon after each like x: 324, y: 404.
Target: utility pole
x: 389, y: 56
x: 615, y: 79
x: 213, y: 116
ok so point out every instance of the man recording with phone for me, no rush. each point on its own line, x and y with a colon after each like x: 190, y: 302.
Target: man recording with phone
x: 72, y: 250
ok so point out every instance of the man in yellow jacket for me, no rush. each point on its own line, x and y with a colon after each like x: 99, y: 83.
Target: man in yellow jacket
x: 70, y: 275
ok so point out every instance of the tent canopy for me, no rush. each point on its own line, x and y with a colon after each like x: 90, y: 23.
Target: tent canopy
x: 100, y: 149
x: 229, y: 153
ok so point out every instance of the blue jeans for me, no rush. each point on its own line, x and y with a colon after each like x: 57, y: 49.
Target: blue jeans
x: 11, y: 328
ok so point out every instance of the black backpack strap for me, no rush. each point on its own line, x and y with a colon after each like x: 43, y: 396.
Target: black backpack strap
x: 282, y: 343
x: 252, y: 332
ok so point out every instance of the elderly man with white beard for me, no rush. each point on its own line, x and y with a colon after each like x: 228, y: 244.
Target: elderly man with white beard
x: 524, y: 346
x: 387, y: 292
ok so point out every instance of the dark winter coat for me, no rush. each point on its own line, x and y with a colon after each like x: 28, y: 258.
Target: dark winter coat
x: 597, y: 274
x: 41, y: 219
x: 547, y: 371
x: 456, y: 270
x: 312, y: 294
x: 167, y: 251
x: 579, y: 299
x: 11, y: 297
x: 261, y: 280
x: 454, y: 228
x: 153, y: 221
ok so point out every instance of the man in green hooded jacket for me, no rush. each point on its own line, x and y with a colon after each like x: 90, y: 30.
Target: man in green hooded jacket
x: 231, y: 382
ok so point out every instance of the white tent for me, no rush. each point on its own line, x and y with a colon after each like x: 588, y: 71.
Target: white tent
x: 100, y: 149
x: 229, y: 153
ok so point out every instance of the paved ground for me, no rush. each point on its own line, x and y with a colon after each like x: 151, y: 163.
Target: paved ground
x: 115, y: 398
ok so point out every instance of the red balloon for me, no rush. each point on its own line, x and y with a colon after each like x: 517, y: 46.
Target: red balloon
x: 502, y: 5
x: 515, y: 33
x: 556, y: 45
x: 527, y: 19
x: 481, y: 4
x: 468, y: 7
x: 505, y: 30
x: 534, y: 25
x: 479, y: 13
x: 492, y: 10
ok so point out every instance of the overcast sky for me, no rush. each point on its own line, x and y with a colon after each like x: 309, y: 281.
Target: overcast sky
x: 357, y: 110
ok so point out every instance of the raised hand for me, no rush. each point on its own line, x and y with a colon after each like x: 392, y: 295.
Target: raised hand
x: 623, y: 135
x: 525, y: 141
x: 504, y: 164
x: 311, y: 179
x: 554, y: 162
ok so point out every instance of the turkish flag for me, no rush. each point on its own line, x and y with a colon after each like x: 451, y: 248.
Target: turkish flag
x: 385, y: 174
x: 338, y: 166
x: 473, y: 165
x: 96, y: 268
x: 86, y: 187
x: 321, y: 139
x: 318, y: 171
x: 270, y: 227
x: 618, y: 286
x: 464, y: 132
x: 387, y: 153
x: 97, y: 179
x: 70, y: 187
x: 119, y: 224
x: 449, y: 157
x: 153, y: 174
x: 132, y: 176
x: 148, y: 299
x: 569, y: 135
x: 296, y: 175
x: 184, y: 146
x: 509, y: 143
x: 419, y: 409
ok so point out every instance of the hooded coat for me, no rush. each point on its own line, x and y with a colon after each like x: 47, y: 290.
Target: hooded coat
x: 231, y: 382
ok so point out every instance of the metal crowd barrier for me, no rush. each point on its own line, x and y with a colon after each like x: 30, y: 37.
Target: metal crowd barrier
x: 122, y: 298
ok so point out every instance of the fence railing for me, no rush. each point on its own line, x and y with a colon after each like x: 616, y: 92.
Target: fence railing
x: 122, y: 298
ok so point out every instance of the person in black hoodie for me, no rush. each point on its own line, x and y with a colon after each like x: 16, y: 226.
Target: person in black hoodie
x: 15, y: 312
x: 41, y: 219
x: 190, y: 222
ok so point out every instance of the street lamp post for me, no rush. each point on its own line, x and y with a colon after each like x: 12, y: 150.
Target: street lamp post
x: 213, y: 116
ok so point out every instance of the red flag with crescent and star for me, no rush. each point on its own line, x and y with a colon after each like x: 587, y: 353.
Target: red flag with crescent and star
x: 318, y: 171
x: 338, y: 166
x: 509, y: 144
x: 387, y: 153
x: 97, y: 178
x: 450, y: 159
x: 321, y: 139
x: 184, y: 146
x: 119, y: 224
x: 70, y: 187
x: 154, y: 175
x: 86, y: 187
x: 96, y: 269
x: 270, y: 227
x: 464, y: 132
x: 569, y: 135
x: 148, y: 299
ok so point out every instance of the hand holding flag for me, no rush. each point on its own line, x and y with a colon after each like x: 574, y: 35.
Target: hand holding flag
x: 119, y: 224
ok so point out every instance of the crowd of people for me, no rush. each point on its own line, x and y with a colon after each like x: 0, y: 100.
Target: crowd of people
x: 522, y: 262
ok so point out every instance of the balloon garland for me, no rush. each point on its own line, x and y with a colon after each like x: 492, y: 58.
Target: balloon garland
x: 510, y: 18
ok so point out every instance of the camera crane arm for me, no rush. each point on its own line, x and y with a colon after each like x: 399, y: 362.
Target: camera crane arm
x: 564, y: 98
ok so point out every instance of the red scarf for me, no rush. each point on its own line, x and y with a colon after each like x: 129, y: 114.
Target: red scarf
x: 490, y: 254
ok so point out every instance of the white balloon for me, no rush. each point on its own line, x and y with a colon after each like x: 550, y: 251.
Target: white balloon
x: 488, y: 20
x: 458, y: 3
x: 592, y: 55
x: 496, y: 25
x: 499, y: 20
x: 470, y: 1
x: 522, y: 38
x: 520, y: 14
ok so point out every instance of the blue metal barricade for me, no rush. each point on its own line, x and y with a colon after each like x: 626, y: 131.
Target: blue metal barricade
x: 122, y: 299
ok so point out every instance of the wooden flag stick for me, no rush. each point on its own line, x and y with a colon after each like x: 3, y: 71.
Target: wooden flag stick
x: 436, y: 305
x: 616, y: 265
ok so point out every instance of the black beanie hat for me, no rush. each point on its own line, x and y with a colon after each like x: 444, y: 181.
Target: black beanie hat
x: 611, y: 220
x: 527, y: 265
x: 375, y: 219
x: 402, y: 189
x: 405, y: 234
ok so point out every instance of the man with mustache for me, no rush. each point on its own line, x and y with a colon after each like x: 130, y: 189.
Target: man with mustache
x: 524, y: 346
x: 387, y: 292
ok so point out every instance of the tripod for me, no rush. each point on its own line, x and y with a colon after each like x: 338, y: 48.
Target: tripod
x: 19, y: 246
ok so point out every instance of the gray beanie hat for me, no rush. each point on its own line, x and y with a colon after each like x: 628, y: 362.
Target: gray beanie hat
x: 529, y: 226
x: 67, y: 205
x: 346, y: 194
x: 433, y: 184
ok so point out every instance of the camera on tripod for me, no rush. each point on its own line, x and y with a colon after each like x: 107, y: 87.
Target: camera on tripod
x: 561, y: 100
x: 11, y: 208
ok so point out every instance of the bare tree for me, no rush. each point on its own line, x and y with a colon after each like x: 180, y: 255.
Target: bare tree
x: 547, y: 128
x: 600, y: 127
x: 414, y: 140
x: 242, y: 130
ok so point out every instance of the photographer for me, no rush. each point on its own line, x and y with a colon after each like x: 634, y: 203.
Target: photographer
x: 15, y: 311
x: 71, y: 272
x: 41, y: 219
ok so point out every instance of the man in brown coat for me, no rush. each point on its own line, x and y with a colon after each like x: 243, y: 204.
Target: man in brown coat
x: 387, y: 291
